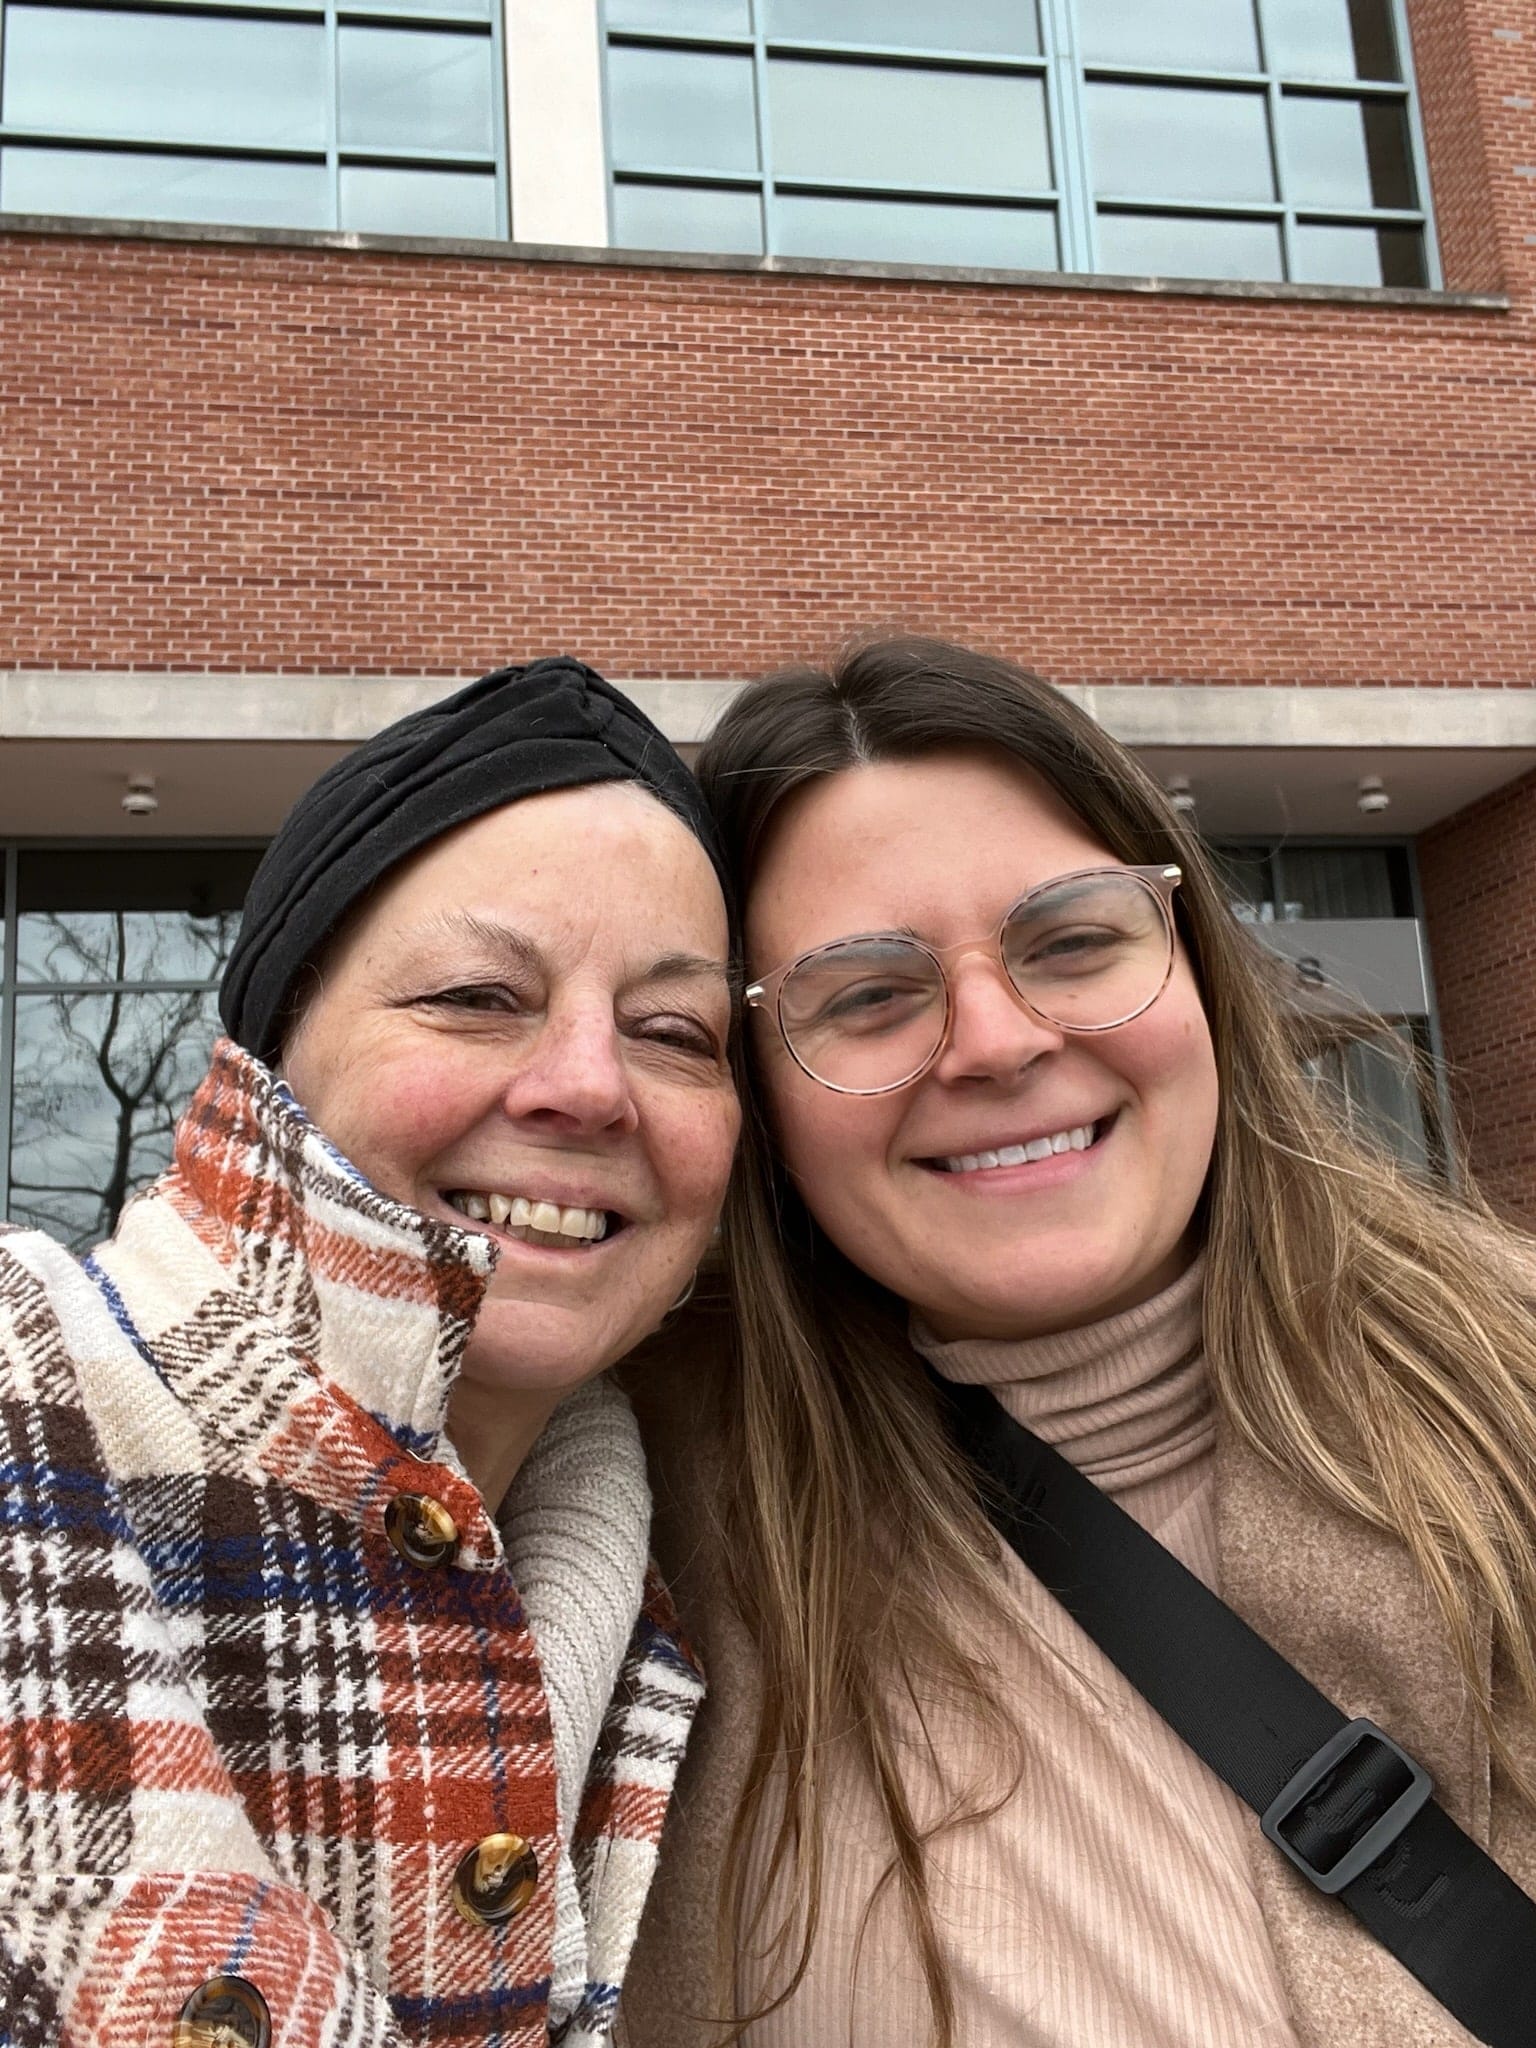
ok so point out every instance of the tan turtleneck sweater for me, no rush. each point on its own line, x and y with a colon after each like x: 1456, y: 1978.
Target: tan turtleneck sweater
x: 1109, y: 1901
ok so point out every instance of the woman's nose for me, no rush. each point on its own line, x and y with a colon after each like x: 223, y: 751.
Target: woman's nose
x: 574, y: 1074
x: 992, y: 1034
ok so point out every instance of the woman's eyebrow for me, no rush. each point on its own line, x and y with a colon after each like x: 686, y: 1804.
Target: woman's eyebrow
x: 505, y: 939
x: 685, y: 967
x: 487, y: 932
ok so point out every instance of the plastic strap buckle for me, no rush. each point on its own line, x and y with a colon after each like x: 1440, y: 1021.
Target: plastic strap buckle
x: 1378, y: 1837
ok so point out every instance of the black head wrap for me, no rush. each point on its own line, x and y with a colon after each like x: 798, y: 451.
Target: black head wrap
x: 515, y: 733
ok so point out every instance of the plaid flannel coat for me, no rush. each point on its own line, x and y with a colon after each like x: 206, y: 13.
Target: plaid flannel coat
x: 240, y: 1734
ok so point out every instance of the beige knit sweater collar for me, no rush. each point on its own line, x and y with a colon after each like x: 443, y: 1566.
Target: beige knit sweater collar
x: 1126, y: 1399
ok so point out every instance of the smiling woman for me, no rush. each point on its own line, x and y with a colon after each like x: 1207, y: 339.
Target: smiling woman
x: 381, y: 1702
x: 508, y: 1026
x: 1032, y: 1142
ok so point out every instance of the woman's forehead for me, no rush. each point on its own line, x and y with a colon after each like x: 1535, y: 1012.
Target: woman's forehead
x: 897, y: 842
x: 562, y: 867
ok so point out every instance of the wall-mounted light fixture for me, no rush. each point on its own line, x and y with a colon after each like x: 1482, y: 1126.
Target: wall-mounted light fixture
x: 1371, y: 797
x: 139, y: 799
x: 1180, y: 795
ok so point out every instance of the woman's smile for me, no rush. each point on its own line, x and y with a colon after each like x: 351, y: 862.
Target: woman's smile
x: 987, y: 1164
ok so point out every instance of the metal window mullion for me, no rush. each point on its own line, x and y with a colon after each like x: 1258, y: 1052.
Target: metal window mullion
x: 663, y: 39
x: 1433, y: 275
x: 685, y: 174
x: 1359, y: 216
x: 128, y: 986
x: 896, y: 57
x: 1277, y: 148
x: 1449, y: 1147
x: 764, y: 126
x: 605, y: 115
x: 1192, y: 209
x: 1077, y: 228
x: 7, y: 1026
x: 333, y: 111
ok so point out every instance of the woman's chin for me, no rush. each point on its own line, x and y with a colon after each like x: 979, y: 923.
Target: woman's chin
x: 541, y: 1347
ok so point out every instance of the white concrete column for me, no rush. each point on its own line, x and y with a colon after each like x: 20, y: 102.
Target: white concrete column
x: 558, y: 174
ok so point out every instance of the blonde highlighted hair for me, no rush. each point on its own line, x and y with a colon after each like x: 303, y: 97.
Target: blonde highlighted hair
x: 1368, y: 1334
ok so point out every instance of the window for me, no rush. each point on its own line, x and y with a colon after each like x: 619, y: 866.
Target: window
x: 107, y: 1013
x: 1257, y: 139
x: 383, y: 117
x: 1344, y: 917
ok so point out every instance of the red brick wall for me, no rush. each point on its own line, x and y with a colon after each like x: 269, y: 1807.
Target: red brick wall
x: 1480, y: 911
x: 265, y: 458
x: 1461, y: 66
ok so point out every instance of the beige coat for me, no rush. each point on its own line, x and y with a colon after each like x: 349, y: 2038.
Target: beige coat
x: 1342, y: 1602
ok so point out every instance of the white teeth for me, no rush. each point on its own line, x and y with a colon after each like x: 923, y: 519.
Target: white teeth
x: 547, y: 1222
x: 1078, y: 1139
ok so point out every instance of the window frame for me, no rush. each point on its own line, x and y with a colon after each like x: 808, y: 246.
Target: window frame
x: 1071, y: 198
x: 452, y: 17
x: 12, y: 852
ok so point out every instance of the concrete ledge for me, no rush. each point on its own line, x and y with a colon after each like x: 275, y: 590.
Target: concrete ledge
x: 1377, y: 716
x: 339, y: 710
x: 445, y: 248
x: 39, y: 704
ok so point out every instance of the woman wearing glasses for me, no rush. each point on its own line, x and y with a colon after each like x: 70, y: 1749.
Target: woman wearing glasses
x: 1031, y: 1121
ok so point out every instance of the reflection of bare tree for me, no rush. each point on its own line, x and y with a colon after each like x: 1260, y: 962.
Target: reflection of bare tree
x: 105, y: 1071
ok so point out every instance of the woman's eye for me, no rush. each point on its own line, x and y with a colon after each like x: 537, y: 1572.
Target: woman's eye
x: 874, y: 1002
x: 680, y: 1034
x: 488, y: 996
x: 1076, y: 948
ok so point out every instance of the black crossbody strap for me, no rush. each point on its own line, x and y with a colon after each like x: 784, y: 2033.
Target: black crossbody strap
x: 1350, y: 1809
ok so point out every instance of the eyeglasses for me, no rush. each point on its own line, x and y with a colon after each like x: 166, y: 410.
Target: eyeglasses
x: 1084, y: 952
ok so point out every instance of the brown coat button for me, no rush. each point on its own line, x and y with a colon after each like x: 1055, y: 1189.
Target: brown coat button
x: 495, y: 1881
x: 422, y: 1530
x: 226, y: 2012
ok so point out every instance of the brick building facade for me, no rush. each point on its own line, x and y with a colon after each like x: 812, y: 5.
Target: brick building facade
x: 263, y: 488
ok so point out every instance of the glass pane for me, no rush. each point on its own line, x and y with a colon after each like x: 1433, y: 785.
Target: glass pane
x: 119, y: 185
x: 129, y: 913
x: 1197, y: 35
x: 1331, y: 38
x: 1173, y: 142
x: 1190, y: 245
x: 1345, y: 881
x: 100, y: 1082
x: 682, y: 110
x: 1346, y: 153
x: 450, y: 10
x: 1374, y: 1081
x: 909, y: 231
x: 683, y: 17
x: 165, y: 77
x: 687, y: 217
x: 900, y: 125
x: 989, y: 28
x: 1246, y: 880
x: 400, y: 202
x: 1368, y: 256
x: 409, y: 89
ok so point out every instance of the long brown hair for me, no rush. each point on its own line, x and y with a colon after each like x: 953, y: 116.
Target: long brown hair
x: 1367, y: 1333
